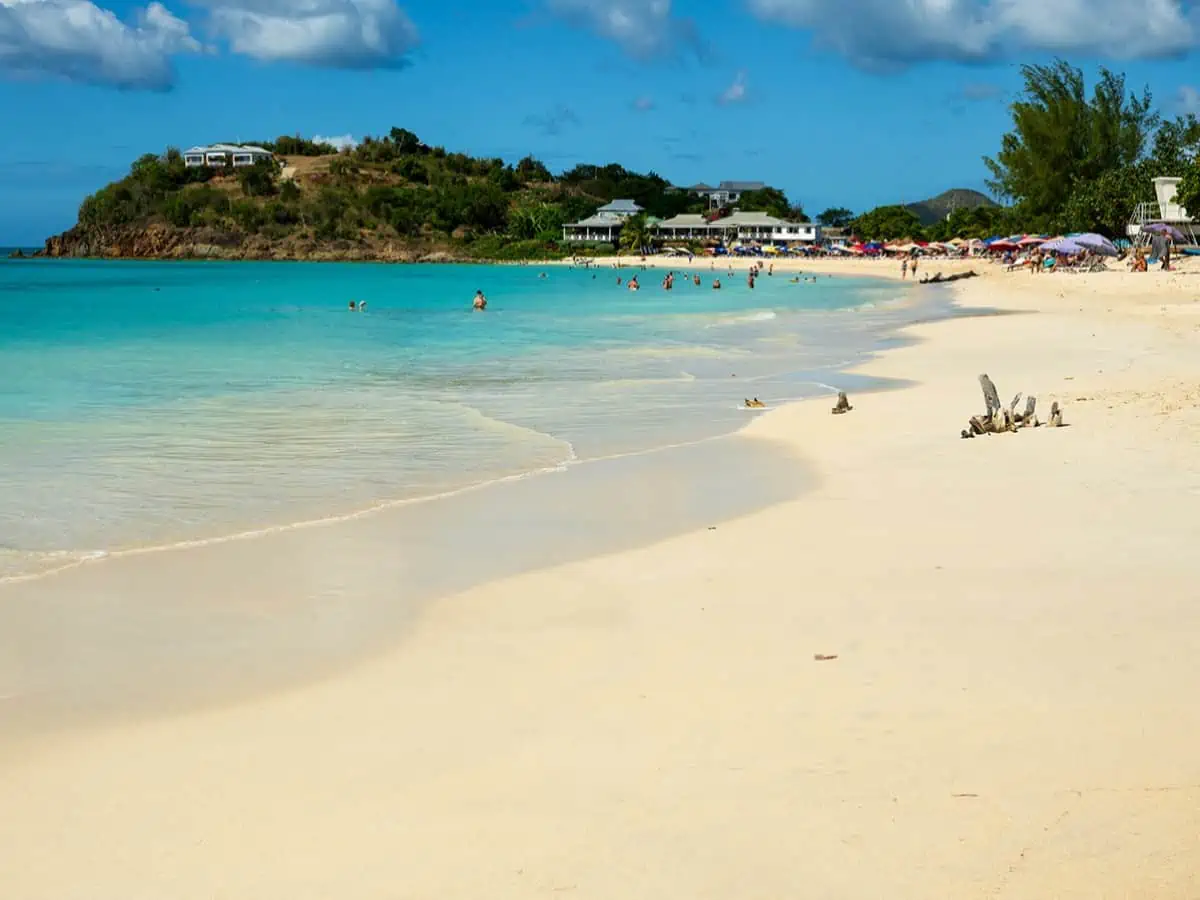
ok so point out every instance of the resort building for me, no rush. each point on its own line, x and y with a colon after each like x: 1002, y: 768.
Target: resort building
x: 758, y: 226
x: 686, y: 227
x: 220, y: 155
x: 725, y: 193
x: 740, y: 226
x: 603, y: 225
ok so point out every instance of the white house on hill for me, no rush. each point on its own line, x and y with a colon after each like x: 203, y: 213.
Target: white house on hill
x: 219, y: 155
x: 726, y: 192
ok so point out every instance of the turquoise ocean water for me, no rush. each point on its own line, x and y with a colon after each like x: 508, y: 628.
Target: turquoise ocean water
x: 145, y: 404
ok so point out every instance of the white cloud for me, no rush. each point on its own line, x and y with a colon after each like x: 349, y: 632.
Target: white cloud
x: 350, y: 34
x: 736, y: 92
x: 883, y: 33
x: 1187, y: 100
x: 341, y: 141
x: 643, y: 28
x: 79, y: 41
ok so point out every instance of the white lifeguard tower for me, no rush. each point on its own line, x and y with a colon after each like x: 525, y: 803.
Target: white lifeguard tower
x: 1163, y: 209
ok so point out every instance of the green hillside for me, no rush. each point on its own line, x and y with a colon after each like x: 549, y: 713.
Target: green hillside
x: 938, y: 208
x: 391, y: 197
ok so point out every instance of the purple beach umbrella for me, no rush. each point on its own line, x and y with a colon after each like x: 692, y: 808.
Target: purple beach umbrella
x: 1097, y: 243
x: 1163, y: 228
x: 1064, y: 245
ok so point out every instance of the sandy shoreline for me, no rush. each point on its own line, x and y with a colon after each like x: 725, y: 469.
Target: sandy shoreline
x: 1009, y: 713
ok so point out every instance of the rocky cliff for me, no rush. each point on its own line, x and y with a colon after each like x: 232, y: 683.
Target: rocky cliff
x: 166, y: 242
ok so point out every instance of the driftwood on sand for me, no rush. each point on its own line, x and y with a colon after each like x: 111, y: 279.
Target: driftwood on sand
x: 843, y: 404
x: 939, y: 278
x: 1000, y: 419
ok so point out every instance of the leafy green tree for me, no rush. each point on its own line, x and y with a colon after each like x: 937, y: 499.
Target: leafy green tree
x: 258, y: 180
x: 1176, y: 145
x: 769, y: 200
x: 405, y: 141
x: 885, y: 223
x: 530, y: 169
x: 1061, y: 138
x: 1187, y: 194
x: 288, y: 145
x: 836, y: 217
x: 975, y: 222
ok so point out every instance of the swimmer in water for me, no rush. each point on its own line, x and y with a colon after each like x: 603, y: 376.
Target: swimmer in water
x: 353, y: 306
x: 480, y: 301
x: 362, y: 305
x: 633, y: 284
x: 716, y: 284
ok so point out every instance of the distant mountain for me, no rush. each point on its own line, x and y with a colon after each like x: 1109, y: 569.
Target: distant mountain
x: 937, y: 208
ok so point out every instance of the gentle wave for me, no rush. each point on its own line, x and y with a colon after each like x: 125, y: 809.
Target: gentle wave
x: 761, y: 315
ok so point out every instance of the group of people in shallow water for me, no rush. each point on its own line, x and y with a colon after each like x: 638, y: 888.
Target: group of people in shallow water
x: 754, y: 273
x: 479, y: 304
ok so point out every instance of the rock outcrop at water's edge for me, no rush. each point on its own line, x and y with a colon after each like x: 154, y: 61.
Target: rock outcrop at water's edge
x: 167, y: 242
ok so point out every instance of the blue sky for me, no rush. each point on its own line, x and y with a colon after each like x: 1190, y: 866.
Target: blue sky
x: 848, y: 103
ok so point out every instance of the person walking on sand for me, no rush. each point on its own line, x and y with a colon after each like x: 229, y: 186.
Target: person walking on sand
x: 913, y: 266
x: 904, y: 268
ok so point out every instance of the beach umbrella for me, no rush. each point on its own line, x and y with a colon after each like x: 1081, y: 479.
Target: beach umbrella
x: 1030, y: 240
x: 1065, y: 245
x: 1163, y: 228
x: 1097, y: 243
x: 1002, y: 244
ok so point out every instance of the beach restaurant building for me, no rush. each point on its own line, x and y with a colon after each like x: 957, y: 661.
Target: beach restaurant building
x: 604, y: 225
x: 220, y: 155
x: 739, y: 226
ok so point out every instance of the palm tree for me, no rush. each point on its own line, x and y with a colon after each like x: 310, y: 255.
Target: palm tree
x: 635, y: 235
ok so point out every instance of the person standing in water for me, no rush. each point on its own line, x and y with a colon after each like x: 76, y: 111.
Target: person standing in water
x: 480, y: 303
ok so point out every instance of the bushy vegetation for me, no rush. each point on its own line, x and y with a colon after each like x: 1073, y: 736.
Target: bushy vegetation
x: 393, y: 187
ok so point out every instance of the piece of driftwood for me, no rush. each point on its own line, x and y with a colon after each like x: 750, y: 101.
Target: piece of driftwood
x: 843, y: 404
x: 1000, y: 419
x: 991, y: 397
x: 939, y: 278
x: 1056, y: 418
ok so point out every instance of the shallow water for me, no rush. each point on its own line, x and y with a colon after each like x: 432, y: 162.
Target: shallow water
x: 212, y: 497
x: 150, y: 403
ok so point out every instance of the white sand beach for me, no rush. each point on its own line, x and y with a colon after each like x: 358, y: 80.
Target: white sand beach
x: 1014, y: 631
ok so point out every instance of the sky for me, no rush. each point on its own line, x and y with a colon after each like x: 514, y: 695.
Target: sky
x: 852, y: 103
